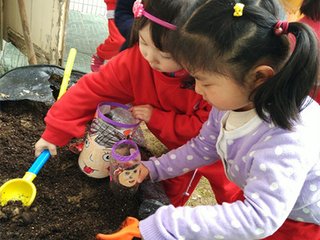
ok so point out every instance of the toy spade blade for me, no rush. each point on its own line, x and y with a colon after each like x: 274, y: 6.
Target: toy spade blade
x: 23, y: 189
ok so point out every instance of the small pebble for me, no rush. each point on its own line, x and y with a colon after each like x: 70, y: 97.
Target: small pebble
x: 27, y: 217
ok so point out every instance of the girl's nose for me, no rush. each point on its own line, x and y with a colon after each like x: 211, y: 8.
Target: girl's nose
x: 198, y: 89
x: 152, y: 58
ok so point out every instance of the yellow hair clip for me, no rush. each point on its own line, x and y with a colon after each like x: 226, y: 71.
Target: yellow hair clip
x: 238, y: 9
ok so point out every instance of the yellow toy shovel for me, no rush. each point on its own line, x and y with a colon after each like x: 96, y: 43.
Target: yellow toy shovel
x: 23, y: 189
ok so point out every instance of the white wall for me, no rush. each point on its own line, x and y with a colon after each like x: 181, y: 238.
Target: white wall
x: 47, y: 20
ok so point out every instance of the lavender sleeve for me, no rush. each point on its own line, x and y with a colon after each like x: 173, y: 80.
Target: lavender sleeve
x: 265, y: 209
x: 198, y: 152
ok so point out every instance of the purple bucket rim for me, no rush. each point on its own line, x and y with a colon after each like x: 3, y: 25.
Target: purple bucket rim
x: 108, y: 120
x: 122, y: 158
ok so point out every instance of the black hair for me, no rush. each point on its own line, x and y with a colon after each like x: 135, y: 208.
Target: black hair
x: 311, y: 9
x: 166, y: 10
x: 213, y: 40
x: 171, y: 11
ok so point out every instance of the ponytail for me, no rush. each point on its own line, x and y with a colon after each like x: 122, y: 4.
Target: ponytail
x: 283, y: 95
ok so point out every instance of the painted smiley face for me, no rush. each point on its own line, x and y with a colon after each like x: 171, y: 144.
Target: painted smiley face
x: 94, y: 159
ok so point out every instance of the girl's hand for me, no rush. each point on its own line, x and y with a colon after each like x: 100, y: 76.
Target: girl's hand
x: 144, y: 173
x: 42, y: 145
x: 142, y: 112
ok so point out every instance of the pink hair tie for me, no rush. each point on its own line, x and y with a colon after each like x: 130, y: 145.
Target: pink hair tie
x: 138, y: 11
x: 281, y: 27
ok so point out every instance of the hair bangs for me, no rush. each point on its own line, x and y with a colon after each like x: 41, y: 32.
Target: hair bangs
x: 197, y: 53
x: 159, y: 36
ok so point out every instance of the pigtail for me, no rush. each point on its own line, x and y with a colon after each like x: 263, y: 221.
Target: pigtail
x: 283, y: 95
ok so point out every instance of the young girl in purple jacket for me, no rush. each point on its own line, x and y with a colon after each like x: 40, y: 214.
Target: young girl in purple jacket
x: 263, y: 126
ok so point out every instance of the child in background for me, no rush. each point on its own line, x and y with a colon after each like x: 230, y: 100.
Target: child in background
x: 146, y: 76
x: 111, y: 46
x: 264, y: 126
x: 124, y: 19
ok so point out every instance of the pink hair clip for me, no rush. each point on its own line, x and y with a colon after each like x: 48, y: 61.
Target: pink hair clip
x: 138, y: 11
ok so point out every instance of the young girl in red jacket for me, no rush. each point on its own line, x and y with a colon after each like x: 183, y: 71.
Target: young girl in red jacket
x: 146, y: 76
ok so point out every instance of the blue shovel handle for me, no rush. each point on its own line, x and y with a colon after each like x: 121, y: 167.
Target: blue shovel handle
x: 40, y: 161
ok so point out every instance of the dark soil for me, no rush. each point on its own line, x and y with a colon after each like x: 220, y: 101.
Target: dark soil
x: 68, y: 205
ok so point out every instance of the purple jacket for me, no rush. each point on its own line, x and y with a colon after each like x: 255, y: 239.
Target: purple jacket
x: 278, y: 170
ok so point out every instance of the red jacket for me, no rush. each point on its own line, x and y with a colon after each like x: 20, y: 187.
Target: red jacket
x: 128, y: 78
x: 111, y: 4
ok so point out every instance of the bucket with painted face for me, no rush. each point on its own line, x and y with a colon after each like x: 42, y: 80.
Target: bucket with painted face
x: 124, y: 168
x: 112, y: 123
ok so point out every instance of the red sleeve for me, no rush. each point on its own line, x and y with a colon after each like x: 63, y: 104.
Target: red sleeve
x: 68, y: 117
x: 316, y: 95
x: 174, y: 129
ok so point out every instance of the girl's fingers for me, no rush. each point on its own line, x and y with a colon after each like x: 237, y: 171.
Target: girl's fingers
x: 52, y: 150
x: 42, y: 145
x: 37, y: 152
x: 144, y: 172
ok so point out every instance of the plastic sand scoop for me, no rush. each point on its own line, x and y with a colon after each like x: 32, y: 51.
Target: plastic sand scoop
x: 23, y: 189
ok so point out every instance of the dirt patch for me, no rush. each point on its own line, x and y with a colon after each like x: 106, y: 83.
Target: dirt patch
x: 68, y: 205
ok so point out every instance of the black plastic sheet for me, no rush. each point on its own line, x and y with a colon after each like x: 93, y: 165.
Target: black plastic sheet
x: 152, y: 197
x: 40, y: 83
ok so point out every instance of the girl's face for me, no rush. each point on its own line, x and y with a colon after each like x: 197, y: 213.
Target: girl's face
x: 222, y: 92
x: 158, y: 60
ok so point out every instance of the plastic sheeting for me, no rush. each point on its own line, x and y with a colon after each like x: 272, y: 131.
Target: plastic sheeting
x: 152, y: 197
x: 39, y: 83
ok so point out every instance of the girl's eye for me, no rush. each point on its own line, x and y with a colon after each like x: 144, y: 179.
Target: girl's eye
x: 203, y: 84
x: 106, y: 157
x: 142, y: 42
x: 166, y: 56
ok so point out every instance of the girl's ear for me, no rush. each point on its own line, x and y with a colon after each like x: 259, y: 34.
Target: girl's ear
x: 262, y: 73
